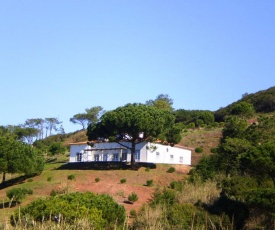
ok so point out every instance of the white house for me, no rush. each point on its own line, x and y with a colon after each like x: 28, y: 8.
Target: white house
x: 145, y: 152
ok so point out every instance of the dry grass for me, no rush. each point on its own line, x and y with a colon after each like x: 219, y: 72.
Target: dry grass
x: 206, y: 193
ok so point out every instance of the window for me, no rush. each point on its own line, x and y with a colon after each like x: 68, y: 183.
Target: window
x: 115, y: 157
x: 137, y: 155
x: 78, y: 157
x: 181, y: 159
x: 96, y: 157
x: 124, y: 157
x: 171, y: 157
x: 157, y: 154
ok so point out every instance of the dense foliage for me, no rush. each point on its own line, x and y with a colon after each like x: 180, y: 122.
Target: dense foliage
x: 18, y: 194
x: 18, y: 157
x: 100, y: 210
x: 246, y: 158
x: 261, y: 102
x: 135, y: 123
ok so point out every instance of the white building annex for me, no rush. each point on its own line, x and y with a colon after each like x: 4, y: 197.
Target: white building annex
x: 145, y: 152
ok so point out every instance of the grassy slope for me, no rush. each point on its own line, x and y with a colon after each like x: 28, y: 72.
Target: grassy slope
x: 110, y: 179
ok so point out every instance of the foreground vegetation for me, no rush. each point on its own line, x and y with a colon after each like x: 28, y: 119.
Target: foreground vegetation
x: 231, y: 186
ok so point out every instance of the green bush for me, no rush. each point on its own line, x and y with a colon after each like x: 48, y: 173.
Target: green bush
x: 122, y: 181
x: 199, y: 149
x: 97, y: 179
x: 166, y: 196
x: 177, y: 185
x: 149, y: 183
x: 53, y: 193
x: 18, y: 194
x: 133, y: 212
x: 147, y: 169
x: 56, y: 148
x: 49, y: 178
x: 133, y: 197
x: 100, y: 210
x: 71, y: 177
x: 171, y: 170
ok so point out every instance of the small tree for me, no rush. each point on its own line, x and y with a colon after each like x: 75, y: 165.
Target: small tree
x: 18, y: 194
x: 133, y: 197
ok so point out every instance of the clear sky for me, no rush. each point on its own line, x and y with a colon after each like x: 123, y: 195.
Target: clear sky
x: 59, y: 57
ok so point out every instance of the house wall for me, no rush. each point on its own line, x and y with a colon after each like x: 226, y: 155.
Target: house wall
x: 148, y: 152
x: 166, y: 154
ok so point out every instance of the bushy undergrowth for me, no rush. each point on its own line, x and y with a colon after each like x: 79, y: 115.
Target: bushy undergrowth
x: 177, y: 207
x: 18, y: 194
x: 101, y: 211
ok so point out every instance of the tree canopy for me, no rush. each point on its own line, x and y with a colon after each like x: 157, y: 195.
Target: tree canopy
x: 18, y: 157
x: 90, y: 116
x: 133, y: 123
x: 162, y: 101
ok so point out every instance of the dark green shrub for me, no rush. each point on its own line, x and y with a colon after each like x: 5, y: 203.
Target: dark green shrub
x: 71, y: 177
x: 122, y: 181
x: 49, y: 178
x: 147, y: 169
x: 166, y: 196
x: 177, y: 185
x: 133, y: 213
x: 101, y: 210
x: 199, y: 149
x: 56, y: 148
x: 97, y: 179
x: 171, y: 170
x: 53, y: 193
x: 214, y: 150
x: 18, y: 194
x: 149, y: 183
x: 133, y: 197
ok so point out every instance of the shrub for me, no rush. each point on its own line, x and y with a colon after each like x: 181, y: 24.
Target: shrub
x: 18, y: 194
x: 133, y: 212
x: 30, y: 180
x: 122, y: 181
x: 53, y: 193
x: 49, y: 178
x: 71, y: 177
x: 56, y: 148
x: 97, y: 179
x: 101, y: 211
x: 149, y: 183
x: 199, y: 149
x: 166, y: 196
x: 133, y: 197
x: 177, y: 185
x: 147, y: 169
x: 171, y: 170
x: 214, y: 150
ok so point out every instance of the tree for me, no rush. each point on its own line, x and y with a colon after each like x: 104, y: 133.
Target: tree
x: 51, y: 124
x: 132, y: 123
x: 18, y: 157
x: 162, y: 101
x: 91, y: 116
x: 26, y: 134
x: 243, y: 109
x: 260, y: 162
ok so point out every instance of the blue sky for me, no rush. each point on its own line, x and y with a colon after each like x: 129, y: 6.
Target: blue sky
x: 58, y: 58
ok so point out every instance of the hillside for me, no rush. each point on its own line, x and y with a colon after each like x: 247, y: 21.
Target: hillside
x: 263, y: 102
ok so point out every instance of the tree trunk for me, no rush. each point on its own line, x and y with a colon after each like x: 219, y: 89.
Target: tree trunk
x: 4, y: 178
x: 133, y: 150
